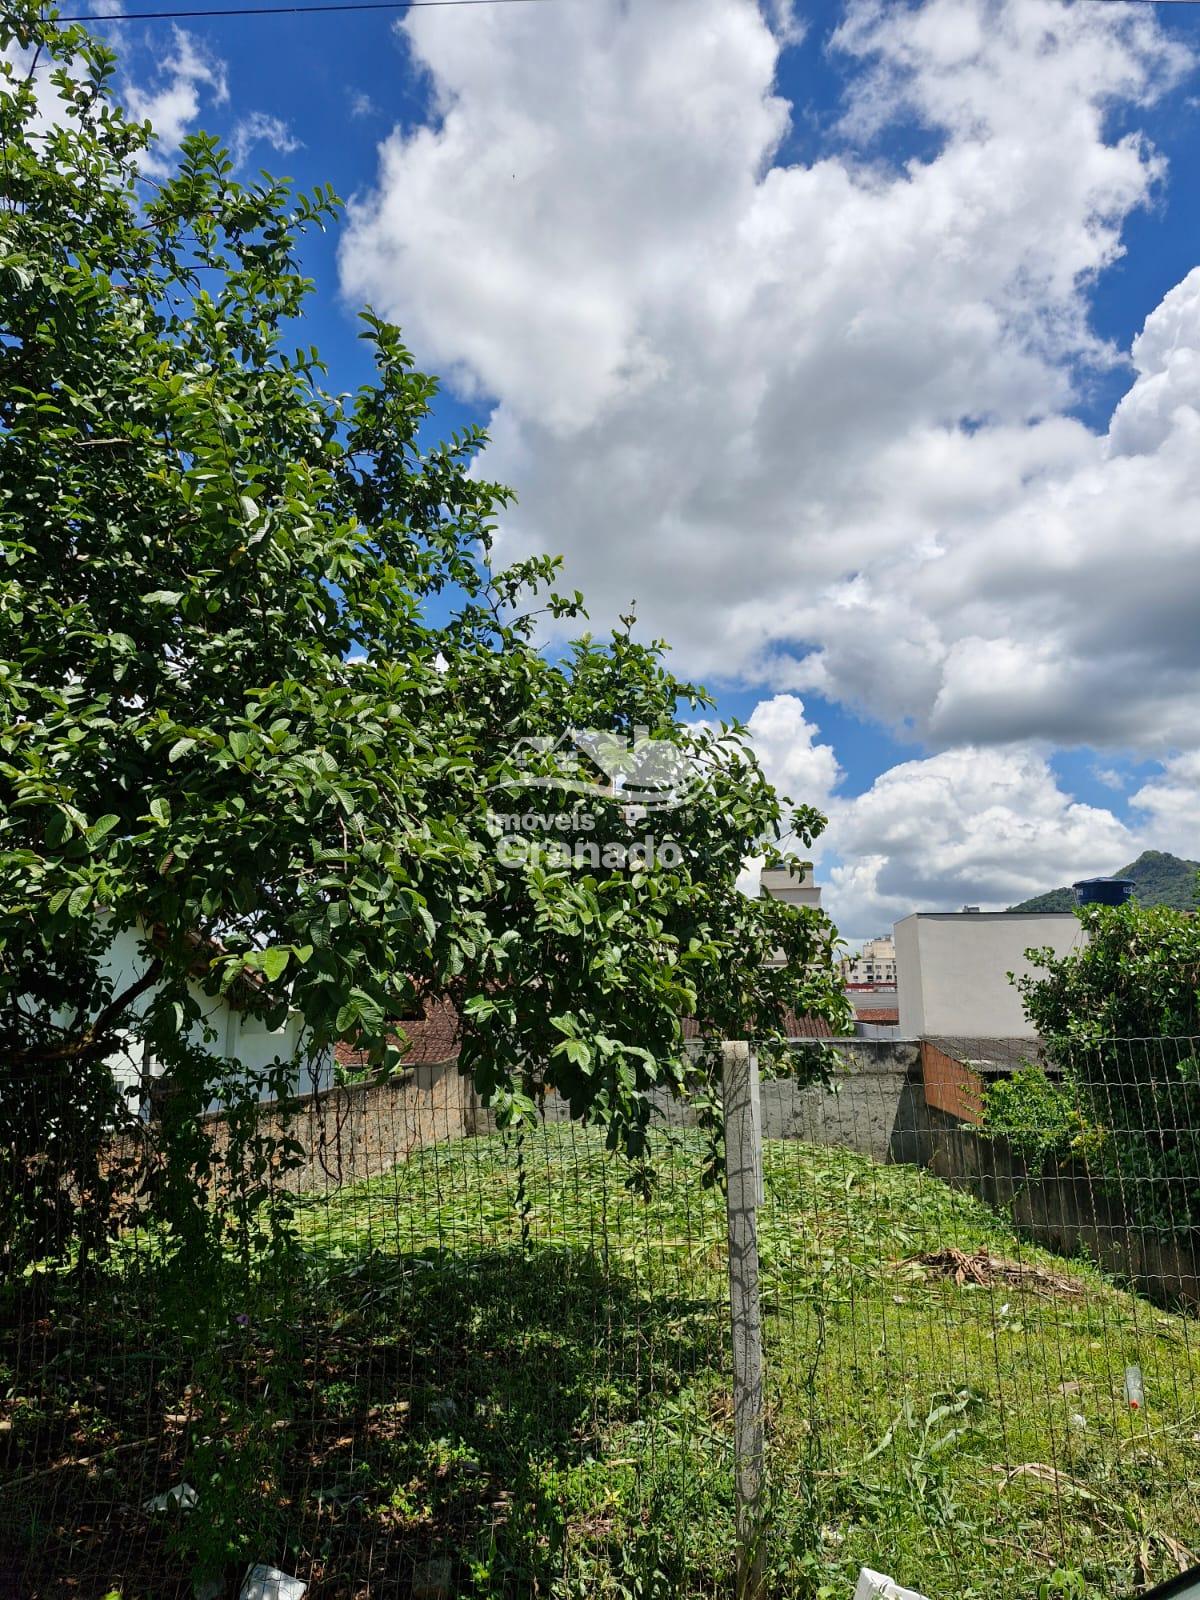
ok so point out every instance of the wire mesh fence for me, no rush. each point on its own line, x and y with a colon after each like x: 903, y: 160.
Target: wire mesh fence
x: 499, y: 1363
x: 957, y: 1393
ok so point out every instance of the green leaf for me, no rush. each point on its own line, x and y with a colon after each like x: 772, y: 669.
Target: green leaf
x: 181, y: 748
x: 576, y: 1051
x: 274, y: 961
x: 101, y: 826
x: 162, y: 597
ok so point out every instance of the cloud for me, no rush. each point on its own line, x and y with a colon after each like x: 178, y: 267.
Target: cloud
x: 259, y: 128
x: 186, y: 83
x: 21, y: 65
x: 800, y: 768
x: 977, y: 825
x: 361, y: 105
x: 172, y: 100
x: 817, y: 416
x: 785, y: 742
x: 984, y: 826
x: 1110, y: 777
x: 1170, y: 807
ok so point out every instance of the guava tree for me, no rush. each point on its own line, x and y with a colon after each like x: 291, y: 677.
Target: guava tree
x: 260, y: 686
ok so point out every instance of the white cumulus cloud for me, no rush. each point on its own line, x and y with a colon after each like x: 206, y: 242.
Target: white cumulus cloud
x: 787, y: 744
x: 981, y: 826
x: 815, y: 416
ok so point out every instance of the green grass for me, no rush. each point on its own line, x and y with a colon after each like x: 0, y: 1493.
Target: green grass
x: 916, y: 1425
x: 523, y: 1367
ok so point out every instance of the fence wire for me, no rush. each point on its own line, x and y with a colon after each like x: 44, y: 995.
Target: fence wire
x: 490, y: 1365
x: 981, y: 1347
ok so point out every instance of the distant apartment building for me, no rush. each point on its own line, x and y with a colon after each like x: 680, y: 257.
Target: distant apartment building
x: 795, y: 885
x: 874, y: 967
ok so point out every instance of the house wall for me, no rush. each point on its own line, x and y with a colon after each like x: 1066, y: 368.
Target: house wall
x: 952, y: 970
x: 950, y: 1085
x: 238, y: 1035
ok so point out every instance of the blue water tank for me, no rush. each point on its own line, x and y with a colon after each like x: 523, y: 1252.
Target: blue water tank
x: 1103, y: 891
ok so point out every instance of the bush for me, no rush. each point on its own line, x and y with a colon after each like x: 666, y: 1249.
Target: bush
x: 1121, y: 1021
x: 1037, y: 1116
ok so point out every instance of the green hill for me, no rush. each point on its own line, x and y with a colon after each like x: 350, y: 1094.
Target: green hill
x: 1160, y: 880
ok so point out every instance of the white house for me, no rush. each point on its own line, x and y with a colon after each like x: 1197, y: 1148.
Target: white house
x: 238, y: 1035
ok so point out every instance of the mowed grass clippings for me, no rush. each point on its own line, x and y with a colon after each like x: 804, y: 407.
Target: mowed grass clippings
x: 507, y: 1360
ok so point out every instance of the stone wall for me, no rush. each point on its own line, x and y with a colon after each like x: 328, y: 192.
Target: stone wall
x: 350, y: 1133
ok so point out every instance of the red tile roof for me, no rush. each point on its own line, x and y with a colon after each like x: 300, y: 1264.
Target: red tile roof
x: 795, y: 1027
x: 432, y: 1038
x: 436, y: 1036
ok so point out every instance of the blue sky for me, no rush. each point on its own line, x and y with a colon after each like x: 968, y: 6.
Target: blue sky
x: 810, y: 327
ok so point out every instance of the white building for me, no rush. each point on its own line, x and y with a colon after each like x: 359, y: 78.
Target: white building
x: 795, y: 885
x: 875, y: 964
x: 236, y: 1035
x: 953, y: 970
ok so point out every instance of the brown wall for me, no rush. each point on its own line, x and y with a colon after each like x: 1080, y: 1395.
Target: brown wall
x: 354, y: 1132
x: 1063, y: 1209
x: 950, y: 1086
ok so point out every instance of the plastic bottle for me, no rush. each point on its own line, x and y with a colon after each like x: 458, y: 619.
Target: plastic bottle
x: 1135, y: 1393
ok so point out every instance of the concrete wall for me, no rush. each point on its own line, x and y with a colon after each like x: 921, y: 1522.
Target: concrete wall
x: 868, y: 1107
x: 952, y: 970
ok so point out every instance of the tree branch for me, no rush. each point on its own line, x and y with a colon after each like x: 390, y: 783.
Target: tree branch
x: 92, y: 1041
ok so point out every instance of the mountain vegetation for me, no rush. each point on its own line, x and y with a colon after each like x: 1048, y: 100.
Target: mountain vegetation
x: 1160, y: 879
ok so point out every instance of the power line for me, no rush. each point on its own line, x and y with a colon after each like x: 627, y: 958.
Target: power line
x: 285, y: 11
x: 382, y: 5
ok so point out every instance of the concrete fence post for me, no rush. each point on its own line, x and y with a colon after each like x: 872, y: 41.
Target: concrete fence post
x: 743, y: 1173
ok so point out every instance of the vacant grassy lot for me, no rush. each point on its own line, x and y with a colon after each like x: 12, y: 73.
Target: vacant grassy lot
x: 502, y: 1358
